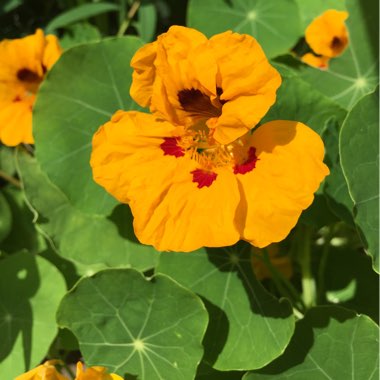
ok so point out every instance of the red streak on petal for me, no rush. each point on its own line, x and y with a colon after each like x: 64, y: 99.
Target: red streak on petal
x: 17, y: 99
x: 203, y: 178
x: 171, y: 148
x: 249, y: 164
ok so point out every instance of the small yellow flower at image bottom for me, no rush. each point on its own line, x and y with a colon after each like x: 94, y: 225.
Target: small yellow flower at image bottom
x: 23, y: 66
x: 94, y: 373
x: 46, y: 371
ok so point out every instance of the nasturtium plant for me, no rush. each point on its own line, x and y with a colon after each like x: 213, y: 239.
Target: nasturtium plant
x: 189, y: 190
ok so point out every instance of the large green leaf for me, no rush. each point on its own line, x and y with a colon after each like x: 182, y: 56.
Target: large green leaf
x: 329, y: 343
x: 22, y: 234
x: 311, y: 9
x: 81, y: 12
x: 152, y: 329
x: 30, y: 291
x: 82, y: 91
x: 91, y: 240
x: 275, y: 24
x: 248, y: 326
x: 359, y: 153
x: 355, y: 73
x: 297, y: 100
x: 335, y: 186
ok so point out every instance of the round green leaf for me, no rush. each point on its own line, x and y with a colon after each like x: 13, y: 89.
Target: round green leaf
x: 355, y: 73
x: 360, y: 163
x: 152, y: 329
x: 275, y: 24
x: 329, y: 343
x: 30, y: 291
x: 91, y: 241
x: 248, y: 327
x: 82, y: 91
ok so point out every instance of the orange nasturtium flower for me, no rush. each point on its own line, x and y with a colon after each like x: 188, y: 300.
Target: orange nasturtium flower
x: 327, y: 36
x: 23, y: 65
x: 46, y: 371
x: 94, y: 373
x: 192, y: 172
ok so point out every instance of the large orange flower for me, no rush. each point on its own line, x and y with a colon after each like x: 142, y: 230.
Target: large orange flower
x: 23, y: 65
x: 186, y: 190
x: 225, y: 82
x: 327, y: 35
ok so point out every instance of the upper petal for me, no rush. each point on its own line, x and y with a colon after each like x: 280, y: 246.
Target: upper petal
x: 289, y: 170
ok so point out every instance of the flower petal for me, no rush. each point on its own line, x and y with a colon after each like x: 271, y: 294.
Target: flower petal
x: 315, y: 61
x: 16, y: 122
x: 144, y: 74
x: 187, y: 217
x: 289, y: 170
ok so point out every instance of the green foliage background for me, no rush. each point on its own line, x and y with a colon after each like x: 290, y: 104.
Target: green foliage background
x: 67, y: 247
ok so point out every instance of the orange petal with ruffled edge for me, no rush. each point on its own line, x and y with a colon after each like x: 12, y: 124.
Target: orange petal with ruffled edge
x: 174, y: 206
x: 327, y: 35
x: 226, y: 82
x: 289, y: 170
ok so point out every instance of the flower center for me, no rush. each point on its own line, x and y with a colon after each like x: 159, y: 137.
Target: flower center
x: 337, y: 44
x: 198, y: 104
x: 30, y: 80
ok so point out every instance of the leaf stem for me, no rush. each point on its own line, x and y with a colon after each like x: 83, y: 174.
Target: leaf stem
x: 283, y: 285
x: 10, y: 179
x: 304, y: 257
x: 127, y: 21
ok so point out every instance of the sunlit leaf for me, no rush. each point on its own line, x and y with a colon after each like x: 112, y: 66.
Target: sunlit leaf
x: 82, y: 91
x: 152, y: 329
x: 275, y: 24
x: 30, y: 291
x: 248, y: 327
x: 359, y: 153
x: 329, y: 343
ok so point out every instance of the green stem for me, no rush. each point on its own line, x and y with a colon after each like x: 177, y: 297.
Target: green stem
x: 283, y: 285
x: 10, y: 179
x: 127, y: 21
x: 304, y: 257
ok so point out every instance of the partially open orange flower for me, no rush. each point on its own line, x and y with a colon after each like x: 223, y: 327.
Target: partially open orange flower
x: 23, y: 65
x: 225, y: 82
x: 46, y: 371
x: 316, y: 61
x: 327, y: 35
x: 186, y: 190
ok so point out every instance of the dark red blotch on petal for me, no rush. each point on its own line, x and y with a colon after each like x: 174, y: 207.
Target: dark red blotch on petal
x: 203, y: 177
x: 171, y: 148
x: 249, y: 164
